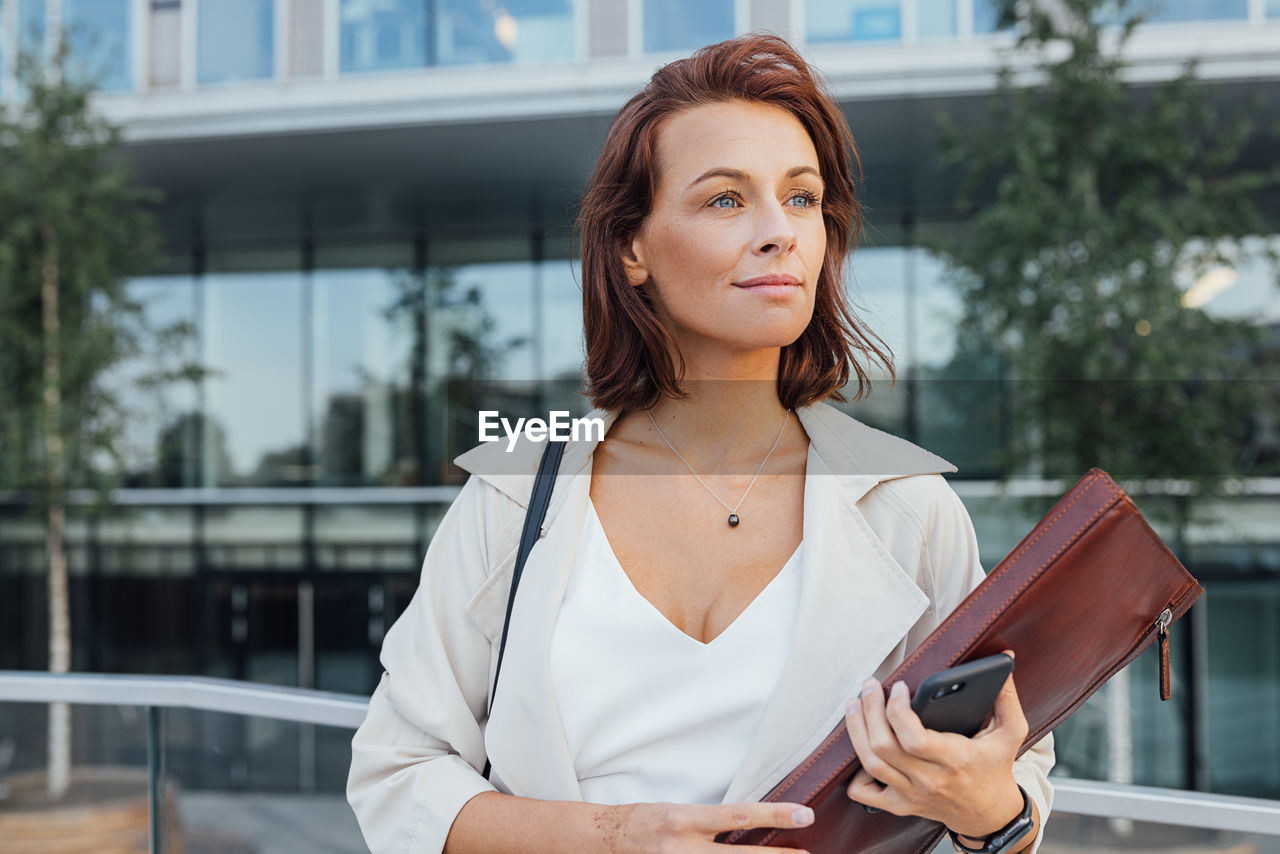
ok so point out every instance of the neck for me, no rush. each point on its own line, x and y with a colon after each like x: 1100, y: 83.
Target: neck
x: 722, y: 424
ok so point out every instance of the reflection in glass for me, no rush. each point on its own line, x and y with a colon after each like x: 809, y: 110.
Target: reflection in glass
x: 480, y: 352
x: 1167, y: 11
x: 236, y: 41
x: 367, y: 538
x: 30, y: 25
x: 160, y: 442
x: 1243, y: 694
x: 561, y: 344
x: 245, y: 537
x: 510, y: 31
x: 677, y: 25
x: 985, y: 16
x: 853, y: 20
x: 365, y: 382
x: 958, y: 383
x: 874, y: 283
x: 253, y: 422
x: 382, y: 34
x: 145, y: 541
x: 98, y: 32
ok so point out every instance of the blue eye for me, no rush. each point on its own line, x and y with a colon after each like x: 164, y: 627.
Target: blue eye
x: 716, y: 202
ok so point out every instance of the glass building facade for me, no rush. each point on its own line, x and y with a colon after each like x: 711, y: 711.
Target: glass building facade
x: 276, y: 512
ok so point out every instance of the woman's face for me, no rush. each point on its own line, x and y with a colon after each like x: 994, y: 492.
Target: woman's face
x: 737, y: 199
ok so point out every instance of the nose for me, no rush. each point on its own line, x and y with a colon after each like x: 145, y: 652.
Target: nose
x: 776, y: 235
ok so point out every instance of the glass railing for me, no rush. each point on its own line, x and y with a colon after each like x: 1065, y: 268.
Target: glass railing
x: 173, y: 764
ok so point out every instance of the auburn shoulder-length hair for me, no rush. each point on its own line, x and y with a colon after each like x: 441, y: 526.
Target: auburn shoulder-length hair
x: 628, y: 363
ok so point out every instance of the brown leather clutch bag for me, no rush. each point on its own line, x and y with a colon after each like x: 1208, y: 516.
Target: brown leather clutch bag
x: 1087, y: 590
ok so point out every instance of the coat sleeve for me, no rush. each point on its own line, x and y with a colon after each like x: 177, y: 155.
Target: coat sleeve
x: 951, y: 548
x: 414, y: 758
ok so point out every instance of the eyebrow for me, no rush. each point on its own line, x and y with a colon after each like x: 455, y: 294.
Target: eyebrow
x: 738, y: 174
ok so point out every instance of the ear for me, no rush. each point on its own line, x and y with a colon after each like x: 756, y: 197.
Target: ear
x: 633, y: 262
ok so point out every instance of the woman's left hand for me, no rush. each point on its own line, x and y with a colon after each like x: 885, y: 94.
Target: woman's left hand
x: 965, y: 783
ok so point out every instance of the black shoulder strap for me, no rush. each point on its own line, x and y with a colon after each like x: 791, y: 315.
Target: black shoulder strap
x: 537, y: 511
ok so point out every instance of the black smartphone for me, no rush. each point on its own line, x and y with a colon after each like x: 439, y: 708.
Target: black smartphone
x: 959, y: 699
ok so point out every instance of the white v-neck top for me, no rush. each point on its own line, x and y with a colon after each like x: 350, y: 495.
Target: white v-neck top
x: 650, y: 713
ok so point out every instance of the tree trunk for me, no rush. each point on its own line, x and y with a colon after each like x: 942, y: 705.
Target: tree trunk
x: 55, y: 542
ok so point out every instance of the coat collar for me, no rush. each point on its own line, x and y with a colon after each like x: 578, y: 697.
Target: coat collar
x: 860, y: 456
x: 857, y: 605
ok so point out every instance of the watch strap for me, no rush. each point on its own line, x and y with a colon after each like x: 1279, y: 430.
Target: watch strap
x: 1012, y: 832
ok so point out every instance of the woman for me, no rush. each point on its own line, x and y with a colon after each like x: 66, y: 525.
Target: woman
x: 672, y: 652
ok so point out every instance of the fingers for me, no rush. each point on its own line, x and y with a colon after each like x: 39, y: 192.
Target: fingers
x: 866, y: 790
x: 873, y: 739
x: 1008, y: 718
x: 719, y: 818
x: 913, y: 736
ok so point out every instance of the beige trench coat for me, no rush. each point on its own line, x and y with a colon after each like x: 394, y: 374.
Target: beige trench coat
x: 889, y: 552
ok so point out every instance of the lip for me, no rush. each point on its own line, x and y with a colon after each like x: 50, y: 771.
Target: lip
x: 773, y: 280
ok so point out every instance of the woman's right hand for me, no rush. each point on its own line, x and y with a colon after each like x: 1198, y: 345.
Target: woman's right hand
x: 692, y: 828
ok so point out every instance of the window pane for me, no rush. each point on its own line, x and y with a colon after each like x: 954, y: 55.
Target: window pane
x: 236, y: 40
x: 984, y: 16
x: 367, y: 396
x: 253, y: 432
x: 514, y: 31
x: 874, y: 283
x: 958, y: 394
x: 1196, y: 10
x: 676, y: 25
x: 1243, y: 694
x: 853, y: 20
x: 98, y: 31
x: 480, y: 343
x: 562, y: 353
x: 380, y: 34
x: 161, y: 433
x: 30, y: 25
x: 935, y: 18
x: 166, y: 46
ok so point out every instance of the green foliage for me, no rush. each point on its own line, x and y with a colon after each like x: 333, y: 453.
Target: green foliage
x: 62, y: 176
x: 1097, y: 198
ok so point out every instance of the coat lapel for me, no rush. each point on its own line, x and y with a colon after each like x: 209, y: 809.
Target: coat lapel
x: 856, y: 605
x: 857, y: 602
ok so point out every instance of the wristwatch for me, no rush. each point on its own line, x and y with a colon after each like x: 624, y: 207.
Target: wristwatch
x: 1005, y: 836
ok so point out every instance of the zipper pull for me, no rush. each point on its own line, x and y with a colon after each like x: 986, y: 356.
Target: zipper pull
x: 1162, y: 630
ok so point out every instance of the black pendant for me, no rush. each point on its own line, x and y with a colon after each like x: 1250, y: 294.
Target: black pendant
x: 733, y: 520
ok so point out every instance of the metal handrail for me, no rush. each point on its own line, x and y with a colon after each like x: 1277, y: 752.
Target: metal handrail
x: 185, y: 692
x: 1078, y: 797
x: 1166, y: 806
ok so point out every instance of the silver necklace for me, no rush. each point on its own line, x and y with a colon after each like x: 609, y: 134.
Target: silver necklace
x: 733, y: 511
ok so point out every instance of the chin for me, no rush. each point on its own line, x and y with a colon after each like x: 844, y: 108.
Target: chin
x: 770, y: 339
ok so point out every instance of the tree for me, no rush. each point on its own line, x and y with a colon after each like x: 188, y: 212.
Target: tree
x: 1106, y: 199
x: 1106, y: 195
x: 73, y: 227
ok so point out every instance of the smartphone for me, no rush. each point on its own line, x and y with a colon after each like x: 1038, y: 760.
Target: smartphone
x: 960, y: 699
